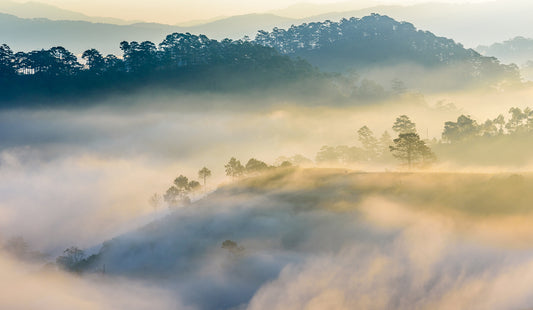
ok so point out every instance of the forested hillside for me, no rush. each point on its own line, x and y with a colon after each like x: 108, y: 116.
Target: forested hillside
x: 379, y: 41
x: 277, y: 58
x: 182, y: 60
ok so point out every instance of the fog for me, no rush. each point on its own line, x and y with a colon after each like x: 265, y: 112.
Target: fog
x: 82, y: 176
x: 324, y: 238
x: 33, y: 287
x: 82, y: 168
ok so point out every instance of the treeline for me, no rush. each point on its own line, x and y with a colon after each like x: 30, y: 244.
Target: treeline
x: 464, y: 129
x: 195, y: 62
x: 179, y: 193
x: 181, y: 60
x: 504, y: 140
x: 495, y: 141
x: 408, y: 148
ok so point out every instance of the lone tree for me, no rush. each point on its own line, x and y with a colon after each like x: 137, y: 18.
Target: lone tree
x: 404, y: 125
x: 203, y: 174
x: 411, y: 150
x: 234, y: 168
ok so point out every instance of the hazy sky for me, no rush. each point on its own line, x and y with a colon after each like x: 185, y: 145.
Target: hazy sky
x: 169, y: 11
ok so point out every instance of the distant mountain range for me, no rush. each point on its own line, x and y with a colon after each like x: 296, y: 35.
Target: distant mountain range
x: 42, y: 10
x: 77, y: 36
x: 304, y: 9
x: 472, y: 24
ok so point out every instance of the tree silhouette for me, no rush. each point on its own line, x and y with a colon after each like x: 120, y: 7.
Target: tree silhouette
x: 409, y: 149
x: 464, y: 129
x: 519, y: 121
x: 7, y: 61
x: 70, y: 258
x: 369, y: 142
x: 139, y: 57
x: 500, y: 122
x: 404, y: 125
x: 171, y: 196
x: 182, y: 183
x: 194, y: 186
x: 178, y: 193
x: 203, y: 174
x: 255, y: 166
x: 234, y: 168
x: 95, y: 61
x: 63, y: 62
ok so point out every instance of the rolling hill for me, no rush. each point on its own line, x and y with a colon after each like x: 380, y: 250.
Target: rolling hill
x: 396, y: 49
x: 224, y: 250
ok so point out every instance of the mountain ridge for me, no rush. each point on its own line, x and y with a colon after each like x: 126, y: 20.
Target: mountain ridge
x: 34, y: 9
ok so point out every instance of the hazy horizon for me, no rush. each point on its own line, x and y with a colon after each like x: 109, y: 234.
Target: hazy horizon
x: 175, y: 12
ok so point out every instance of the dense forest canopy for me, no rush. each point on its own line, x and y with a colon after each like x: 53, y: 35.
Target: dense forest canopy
x: 195, y: 62
x: 185, y: 60
x: 380, y: 40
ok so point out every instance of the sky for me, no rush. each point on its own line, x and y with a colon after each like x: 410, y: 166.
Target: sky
x: 169, y: 11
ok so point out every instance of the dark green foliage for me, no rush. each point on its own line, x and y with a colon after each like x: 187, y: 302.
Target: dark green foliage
x: 378, y: 40
x: 7, y: 62
x: 181, y: 61
x: 95, y: 61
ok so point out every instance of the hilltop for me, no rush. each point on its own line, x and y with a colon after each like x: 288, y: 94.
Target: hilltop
x: 243, y: 235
